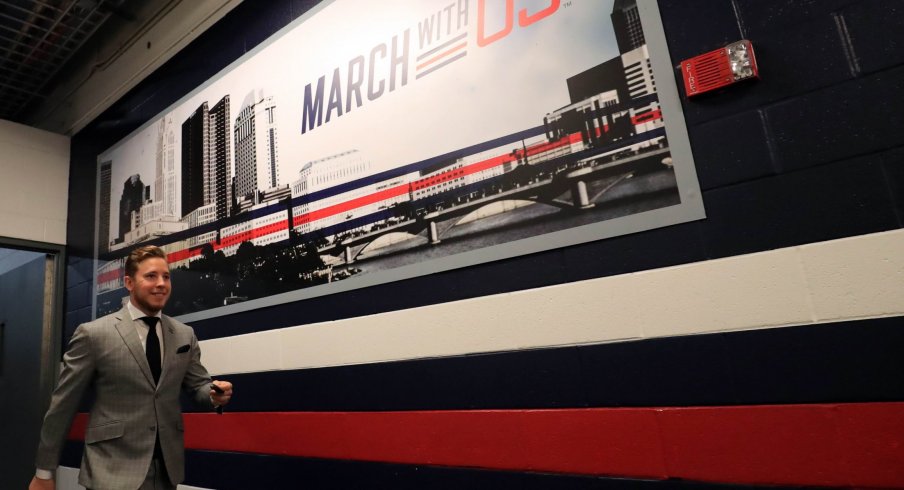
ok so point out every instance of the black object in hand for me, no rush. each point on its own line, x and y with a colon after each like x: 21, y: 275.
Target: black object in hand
x: 220, y: 392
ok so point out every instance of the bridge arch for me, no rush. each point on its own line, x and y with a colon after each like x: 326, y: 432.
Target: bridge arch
x: 487, y: 210
x: 386, y: 240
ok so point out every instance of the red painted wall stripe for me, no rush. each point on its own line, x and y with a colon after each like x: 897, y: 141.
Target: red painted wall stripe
x: 859, y: 444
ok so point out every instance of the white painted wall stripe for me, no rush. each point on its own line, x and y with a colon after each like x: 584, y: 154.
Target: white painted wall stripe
x: 856, y: 278
x: 852, y: 278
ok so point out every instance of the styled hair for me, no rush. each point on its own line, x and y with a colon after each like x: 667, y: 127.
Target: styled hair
x: 141, y: 254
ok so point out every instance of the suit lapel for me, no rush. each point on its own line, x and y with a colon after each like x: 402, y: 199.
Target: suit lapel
x: 126, y: 327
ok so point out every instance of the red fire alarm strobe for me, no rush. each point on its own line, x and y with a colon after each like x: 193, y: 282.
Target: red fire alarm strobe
x: 719, y: 68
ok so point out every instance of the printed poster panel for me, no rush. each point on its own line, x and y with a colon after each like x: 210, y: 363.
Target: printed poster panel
x: 369, y: 142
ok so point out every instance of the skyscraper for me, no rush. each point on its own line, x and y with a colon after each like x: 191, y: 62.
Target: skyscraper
x: 106, y: 188
x: 157, y: 215
x: 194, y: 158
x: 256, y: 155
x: 626, y: 23
x: 609, y: 75
x: 131, y: 201
x: 206, y: 165
x: 218, y: 179
x: 165, y: 180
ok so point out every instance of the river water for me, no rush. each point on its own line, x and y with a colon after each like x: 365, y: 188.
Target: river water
x: 629, y: 196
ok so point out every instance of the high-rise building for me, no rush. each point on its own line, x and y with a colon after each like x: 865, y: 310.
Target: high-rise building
x: 626, y: 23
x: 106, y: 188
x: 609, y: 75
x: 638, y: 73
x: 130, y: 202
x: 630, y: 75
x: 206, y: 159
x: 256, y: 155
x: 195, y: 154
x: 157, y: 215
x: 165, y: 180
x: 218, y: 179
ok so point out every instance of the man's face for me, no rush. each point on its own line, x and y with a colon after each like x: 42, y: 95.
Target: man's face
x: 150, y: 288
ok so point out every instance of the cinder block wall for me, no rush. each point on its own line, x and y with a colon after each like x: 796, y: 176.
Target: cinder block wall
x: 34, y: 176
x: 760, y: 346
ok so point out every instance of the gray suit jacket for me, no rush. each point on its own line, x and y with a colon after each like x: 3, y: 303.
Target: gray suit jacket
x: 128, y: 410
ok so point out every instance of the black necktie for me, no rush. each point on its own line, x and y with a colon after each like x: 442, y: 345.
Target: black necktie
x: 152, y: 349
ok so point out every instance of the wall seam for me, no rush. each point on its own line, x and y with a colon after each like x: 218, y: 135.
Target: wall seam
x: 847, y: 44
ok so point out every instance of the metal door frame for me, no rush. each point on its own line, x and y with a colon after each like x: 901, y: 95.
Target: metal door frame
x: 52, y: 328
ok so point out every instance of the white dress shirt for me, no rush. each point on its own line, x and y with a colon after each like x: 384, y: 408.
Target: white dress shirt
x: 143, y: 327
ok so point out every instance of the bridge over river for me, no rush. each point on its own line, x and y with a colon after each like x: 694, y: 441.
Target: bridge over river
x: 550, y: 190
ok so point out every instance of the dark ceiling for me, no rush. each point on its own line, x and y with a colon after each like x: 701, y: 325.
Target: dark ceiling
x: 37, y: 38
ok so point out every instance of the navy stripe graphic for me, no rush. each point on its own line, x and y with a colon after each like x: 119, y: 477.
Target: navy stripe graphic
x: 444, y: 63
x: 442, y: 46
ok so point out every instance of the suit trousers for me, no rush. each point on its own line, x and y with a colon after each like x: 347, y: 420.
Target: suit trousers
x: 157, y: 478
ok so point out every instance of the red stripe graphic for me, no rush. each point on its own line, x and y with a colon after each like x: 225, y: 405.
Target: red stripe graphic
x: 351, y: 204
x: 857, y: 444
x: 437, y: 179
x: 442, y: 55
x: 258, y: 232
x: 376, y: 197
x: 183, y: 254
x: 113, y: 275
x: 646, y: 117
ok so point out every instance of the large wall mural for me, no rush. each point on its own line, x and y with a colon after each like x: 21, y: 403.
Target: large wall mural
x: 370, y: 142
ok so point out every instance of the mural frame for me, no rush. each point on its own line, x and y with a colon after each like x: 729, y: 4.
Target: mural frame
x: 687, y: 190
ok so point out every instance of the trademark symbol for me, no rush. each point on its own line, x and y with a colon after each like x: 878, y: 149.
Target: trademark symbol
x: 567, y: 4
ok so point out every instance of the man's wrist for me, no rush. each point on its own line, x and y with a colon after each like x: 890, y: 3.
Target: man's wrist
x: 42, y: 474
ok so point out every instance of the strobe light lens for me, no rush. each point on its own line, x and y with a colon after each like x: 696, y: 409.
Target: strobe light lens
x: 739, y: 59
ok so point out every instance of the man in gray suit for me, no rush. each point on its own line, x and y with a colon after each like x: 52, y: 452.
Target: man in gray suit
x: 137, y: 359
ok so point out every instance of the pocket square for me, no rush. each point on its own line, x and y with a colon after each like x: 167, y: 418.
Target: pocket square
x: 183, y: 349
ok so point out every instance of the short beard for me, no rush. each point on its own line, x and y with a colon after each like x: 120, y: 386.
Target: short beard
x: 146, y: 307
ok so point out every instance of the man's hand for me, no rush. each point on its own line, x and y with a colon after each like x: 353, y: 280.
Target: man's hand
x: 39, y: 484
x: 221, y: 398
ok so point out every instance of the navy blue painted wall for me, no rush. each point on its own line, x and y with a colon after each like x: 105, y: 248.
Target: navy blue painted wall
x: 814, y: 151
